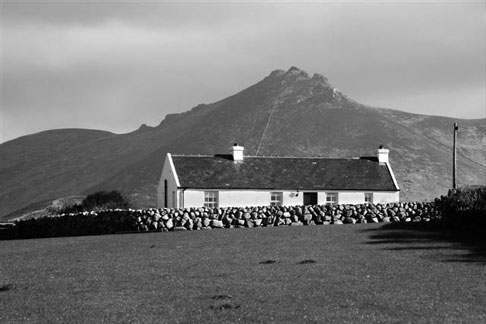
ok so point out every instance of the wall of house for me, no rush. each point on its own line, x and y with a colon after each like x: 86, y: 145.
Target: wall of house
x: 357, y: 197
x: 172, y: 192
x: 386, y: 197
x: 193, y: 198
x: 242, y: 198
x: 350, y: 197
x: 292, y: 198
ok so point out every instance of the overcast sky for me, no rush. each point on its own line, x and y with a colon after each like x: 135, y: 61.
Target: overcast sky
x: 115, y: 65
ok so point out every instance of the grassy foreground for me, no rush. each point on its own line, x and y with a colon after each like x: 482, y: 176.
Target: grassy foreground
x: 370, y: 273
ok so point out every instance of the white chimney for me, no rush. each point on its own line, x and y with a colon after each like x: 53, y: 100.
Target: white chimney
x: 383, y: 154
x: 237, y: 153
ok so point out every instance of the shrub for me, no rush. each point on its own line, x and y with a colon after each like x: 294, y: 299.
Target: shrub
x: 465, y: 207
x: 100, y: 200
x: 106, y: 222
x: 105, y: 200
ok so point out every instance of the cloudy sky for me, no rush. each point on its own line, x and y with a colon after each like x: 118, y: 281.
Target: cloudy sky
x: 115, y: 65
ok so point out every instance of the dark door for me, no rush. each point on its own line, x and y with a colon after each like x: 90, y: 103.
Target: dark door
x: 166, y: 203
x: 310, y: 198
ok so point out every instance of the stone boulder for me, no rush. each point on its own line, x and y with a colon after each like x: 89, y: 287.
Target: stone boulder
x: 216, y: 224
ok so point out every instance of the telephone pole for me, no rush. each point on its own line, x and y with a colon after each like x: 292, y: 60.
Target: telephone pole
x: 454, y: 157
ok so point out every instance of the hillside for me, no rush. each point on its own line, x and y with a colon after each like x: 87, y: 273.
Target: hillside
x: 287, y: 113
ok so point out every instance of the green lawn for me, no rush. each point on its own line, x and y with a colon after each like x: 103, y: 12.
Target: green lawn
x: 370, y: 273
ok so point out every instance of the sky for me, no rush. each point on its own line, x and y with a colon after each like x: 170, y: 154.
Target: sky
x: 114, y: 65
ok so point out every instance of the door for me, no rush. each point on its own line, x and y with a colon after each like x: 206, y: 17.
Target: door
x: 310, y: 198
x: 166, y: 200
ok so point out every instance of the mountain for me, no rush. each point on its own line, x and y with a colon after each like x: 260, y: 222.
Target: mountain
x: 288, y: 113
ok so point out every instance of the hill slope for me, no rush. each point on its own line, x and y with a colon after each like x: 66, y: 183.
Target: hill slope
x: 287, y: 113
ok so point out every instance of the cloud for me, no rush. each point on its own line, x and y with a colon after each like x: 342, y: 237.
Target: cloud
x: 116, y: 65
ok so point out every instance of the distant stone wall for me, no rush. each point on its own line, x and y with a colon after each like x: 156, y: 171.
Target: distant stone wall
x: 163, y: 220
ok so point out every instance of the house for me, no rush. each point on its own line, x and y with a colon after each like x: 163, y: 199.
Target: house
x: 235, y: 180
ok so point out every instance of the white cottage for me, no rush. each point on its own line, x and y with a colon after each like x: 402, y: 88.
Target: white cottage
x: 235, y: 180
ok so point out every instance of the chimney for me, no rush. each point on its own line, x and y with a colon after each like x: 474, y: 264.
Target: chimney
x: 237, y: 153
x: 383, y: 154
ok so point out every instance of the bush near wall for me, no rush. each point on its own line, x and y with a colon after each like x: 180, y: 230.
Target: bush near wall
x: 129, y: 220
x: 465, y: 207
x: 86, y: 223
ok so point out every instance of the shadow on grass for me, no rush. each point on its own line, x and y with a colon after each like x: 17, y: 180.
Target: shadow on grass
x: 6, y: 287
x: 451, y: 245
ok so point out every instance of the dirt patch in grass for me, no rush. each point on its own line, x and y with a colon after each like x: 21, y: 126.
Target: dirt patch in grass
x: 268, y: 262
x: 307, y: 262
x: 6, y: 287
x: 221, y: 297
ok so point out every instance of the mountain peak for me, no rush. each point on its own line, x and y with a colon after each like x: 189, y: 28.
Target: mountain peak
x: 296, y: 74
x: 296, y: 71
x: 277, y: 73
x: 293, y: 72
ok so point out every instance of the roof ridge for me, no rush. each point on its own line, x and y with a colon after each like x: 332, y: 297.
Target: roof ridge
x: 302, y: 157
x: 277, y: 156
x: 193, y: 155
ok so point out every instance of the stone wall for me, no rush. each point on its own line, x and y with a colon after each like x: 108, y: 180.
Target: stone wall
x: 116, y: 221
x: 204, y: 218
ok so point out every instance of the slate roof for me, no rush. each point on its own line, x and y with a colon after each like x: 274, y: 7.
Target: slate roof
x: 285, y: 173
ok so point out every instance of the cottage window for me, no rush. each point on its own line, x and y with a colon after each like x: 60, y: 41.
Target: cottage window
x: 211, y: 199
x: 331, y: 198
x: 368, y: 197
x: 276, y: 198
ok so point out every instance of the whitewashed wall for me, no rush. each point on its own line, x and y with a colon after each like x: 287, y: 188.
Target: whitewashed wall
x: 193, y: 198
x: 242, y: 198
x: 386, y: 197
x: 172, y: 192
x: 357, y: 197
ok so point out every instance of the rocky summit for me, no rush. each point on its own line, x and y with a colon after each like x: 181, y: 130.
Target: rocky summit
x: 288, y: 113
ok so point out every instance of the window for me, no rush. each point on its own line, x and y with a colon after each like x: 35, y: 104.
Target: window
x: 211, y: 199
x: 368, y: 197
x: 276, y: 199
x: 331, y: 198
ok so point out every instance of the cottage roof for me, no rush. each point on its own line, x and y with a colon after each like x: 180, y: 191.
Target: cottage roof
x: 284, y: 173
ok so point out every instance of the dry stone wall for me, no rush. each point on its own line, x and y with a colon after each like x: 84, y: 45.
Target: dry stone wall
x: 206, y: 218
x: 163, y: 220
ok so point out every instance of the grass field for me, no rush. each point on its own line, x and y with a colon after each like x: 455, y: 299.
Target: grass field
x: 337, y: 274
